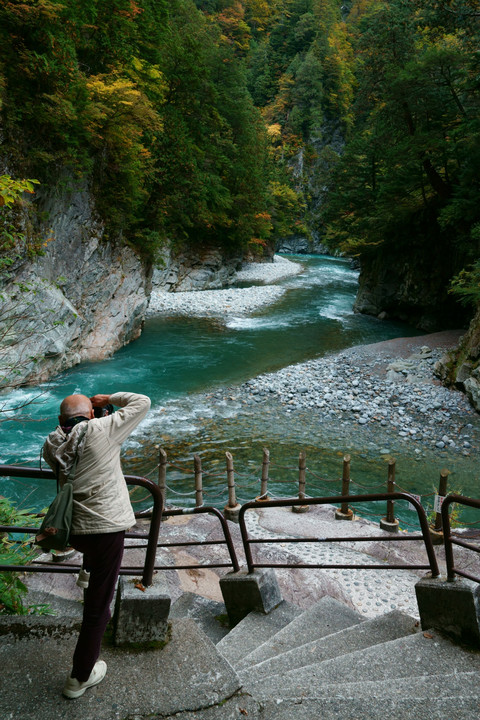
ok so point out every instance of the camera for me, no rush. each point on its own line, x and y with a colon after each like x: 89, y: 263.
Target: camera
x: 103, y: 411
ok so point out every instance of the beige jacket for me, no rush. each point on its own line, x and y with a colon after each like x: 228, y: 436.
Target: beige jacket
x: 101, y: 503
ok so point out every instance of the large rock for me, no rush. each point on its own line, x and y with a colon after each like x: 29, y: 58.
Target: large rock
x: 208, y: 269
x: 461, y: 367
x: 414, y: 291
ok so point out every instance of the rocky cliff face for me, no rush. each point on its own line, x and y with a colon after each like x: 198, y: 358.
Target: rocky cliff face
x: 186, y: 271
x: 301, y: 245
x: 415, y: 292
x: 461, y: 366
x: 82, y: 300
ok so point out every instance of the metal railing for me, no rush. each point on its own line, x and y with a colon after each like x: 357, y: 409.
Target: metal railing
x: 450, y: 540
x: 152, y: 536
x: 338, y: 499
x: 233, y: 564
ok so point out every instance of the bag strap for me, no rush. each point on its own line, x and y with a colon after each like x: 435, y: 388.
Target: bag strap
x: 71, y: 475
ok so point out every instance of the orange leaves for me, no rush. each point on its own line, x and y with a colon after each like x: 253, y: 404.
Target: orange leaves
x: 130, y: 14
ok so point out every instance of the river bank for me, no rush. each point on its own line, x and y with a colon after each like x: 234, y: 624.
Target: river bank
x: 382, y: 394
x: 386, y: 391
x: 237, y: 300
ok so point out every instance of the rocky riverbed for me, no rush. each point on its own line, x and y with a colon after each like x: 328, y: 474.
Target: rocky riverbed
x: 386, y: 393
x: 386, y: 390
x: 234, y: 300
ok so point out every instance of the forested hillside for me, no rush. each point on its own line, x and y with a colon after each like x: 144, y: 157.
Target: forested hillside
x: 232, y: 123
x: 147, y: 100
x: 404, y: 196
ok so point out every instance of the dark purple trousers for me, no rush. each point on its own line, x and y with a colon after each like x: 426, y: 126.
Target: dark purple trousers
x: 102, y: 556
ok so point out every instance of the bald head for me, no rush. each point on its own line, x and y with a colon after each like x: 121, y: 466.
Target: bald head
x: 74, y: 405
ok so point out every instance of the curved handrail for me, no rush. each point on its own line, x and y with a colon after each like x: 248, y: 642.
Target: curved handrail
x: 449, y: 541
x: 338, y: 499
x: 156, y: 516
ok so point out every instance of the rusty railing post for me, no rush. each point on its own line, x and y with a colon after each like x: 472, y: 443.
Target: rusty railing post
x: 344, y: 512
x: 389, y: 522
x: 264, y: 482
x: 302, y: 469
x: 232, y: 508
x: 197, y: 465
x: 162, y: 475
x: 436, y: 532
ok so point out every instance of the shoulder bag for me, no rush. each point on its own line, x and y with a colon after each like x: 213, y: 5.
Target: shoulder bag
x: 54, y: 532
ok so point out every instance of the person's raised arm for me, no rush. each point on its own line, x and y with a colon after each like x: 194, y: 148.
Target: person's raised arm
x: 133, y: 408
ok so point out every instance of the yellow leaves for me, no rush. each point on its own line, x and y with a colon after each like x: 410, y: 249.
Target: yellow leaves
x: 149, y: 75
x: 118, y: 112
x: 11, y: 190
x: 105, y: 87
x: 274, y: 131
x: 260, y: 12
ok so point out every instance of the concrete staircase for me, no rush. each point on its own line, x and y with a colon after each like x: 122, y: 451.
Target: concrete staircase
x: 328, y: 662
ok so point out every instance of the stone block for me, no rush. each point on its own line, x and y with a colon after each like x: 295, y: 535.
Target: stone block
x: 451, y: 606
x: 232, y: 513
x: 389, y: 526
x: 243, y: 592
x: 141, y: 616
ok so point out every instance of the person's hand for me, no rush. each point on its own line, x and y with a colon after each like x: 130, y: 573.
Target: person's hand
x: 100, y: 400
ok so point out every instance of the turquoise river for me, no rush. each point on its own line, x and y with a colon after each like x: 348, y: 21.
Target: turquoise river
x: 177, y: 361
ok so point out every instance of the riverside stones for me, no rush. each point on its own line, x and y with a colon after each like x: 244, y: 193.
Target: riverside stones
x: 410, y: 406
x: 220, y: 302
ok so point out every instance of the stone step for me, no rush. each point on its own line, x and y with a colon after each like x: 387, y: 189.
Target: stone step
x: 402, y: 700
x: 254, y: 630
x: 187, y: 674
x: 406, y: 657
x: 378, y: 708
x: 210, y: 615
x: 366, y: 634
x: 57, y: 605
x: 324, y: 618
x: 453, y: 684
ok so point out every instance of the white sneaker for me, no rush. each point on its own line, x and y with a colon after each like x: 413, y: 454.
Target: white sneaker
x: 83, y: 578
x: 74, y: 688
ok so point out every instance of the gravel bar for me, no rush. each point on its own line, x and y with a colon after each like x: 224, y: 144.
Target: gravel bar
x: 230, y: 301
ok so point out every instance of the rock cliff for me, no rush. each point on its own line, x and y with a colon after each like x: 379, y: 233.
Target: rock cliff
x: 461, y: 366
x: 186, y: 270
x: 82, y: 300
x: 414, y: 291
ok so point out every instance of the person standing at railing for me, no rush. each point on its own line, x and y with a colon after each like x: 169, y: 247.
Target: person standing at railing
x: 102, y: 511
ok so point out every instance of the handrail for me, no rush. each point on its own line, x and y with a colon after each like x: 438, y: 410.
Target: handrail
x: 226, y: 541
x: 156, y: 516
x: 337, y: 499
x: 449, y: 540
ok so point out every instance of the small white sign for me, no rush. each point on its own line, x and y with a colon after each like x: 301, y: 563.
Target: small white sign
x: 437, y: 505
x: 418, y: 498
